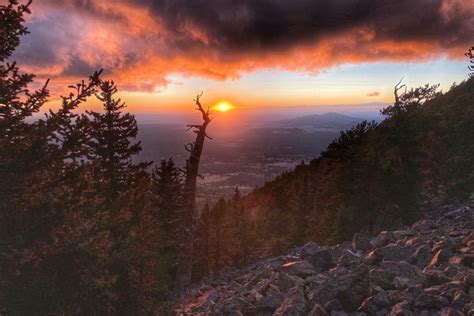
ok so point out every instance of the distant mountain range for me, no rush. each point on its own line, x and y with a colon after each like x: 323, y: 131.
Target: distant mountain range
x: 331, y: 121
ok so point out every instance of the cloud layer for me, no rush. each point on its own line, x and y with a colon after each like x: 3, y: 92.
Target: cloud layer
x: 142, y: 42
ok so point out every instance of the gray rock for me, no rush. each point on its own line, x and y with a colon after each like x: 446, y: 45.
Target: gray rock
x: 350, y: 289
x: 333, y: 305
x: 448, y: 244
x: 401, y: 309
x: 375, y: 304
x: 435, y: 277
x: 299, y: 268
x: 394, y: 252
x: 309, y: 249
x: 457, y: 212
x: 348, y: 260
x: 425, y: 224
x: 277, y: 262
x: 272, y: 299
x: 466, y: 260
x: 382, y: 278
x: 317, y: 310
x: 422, y: 256
x: 382, y: 239
x: 361, y: 242
x: 451, y: 270
x: 439, y: 258
x: 430, y: 301
x: 402, y: 283
x: 451, y: 312
x: 385, y: 274
x: 295, y: 304
x: 459, y: 300
x: 323, y: 260
x: 400, y: 234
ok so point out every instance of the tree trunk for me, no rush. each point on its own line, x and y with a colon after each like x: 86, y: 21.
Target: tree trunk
x: 184, y: 271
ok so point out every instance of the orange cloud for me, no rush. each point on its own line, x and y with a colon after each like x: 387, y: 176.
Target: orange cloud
x: 141, y: 42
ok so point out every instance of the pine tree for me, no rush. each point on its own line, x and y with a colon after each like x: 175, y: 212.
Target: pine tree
x: 168, y: 203
x: 470, y: 54
x: 111, y: 148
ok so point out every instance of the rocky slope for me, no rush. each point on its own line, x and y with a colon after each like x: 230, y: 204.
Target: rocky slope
x: 425, y: 269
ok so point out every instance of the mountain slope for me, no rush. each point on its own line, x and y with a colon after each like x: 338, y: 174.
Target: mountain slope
x: 373, y: 177
x: 329, y: 120
x: 424, y: 269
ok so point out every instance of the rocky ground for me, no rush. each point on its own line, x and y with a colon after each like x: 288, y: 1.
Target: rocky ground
x: 425, y: 269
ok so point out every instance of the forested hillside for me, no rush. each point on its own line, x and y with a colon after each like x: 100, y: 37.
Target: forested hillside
x: 372, y: 177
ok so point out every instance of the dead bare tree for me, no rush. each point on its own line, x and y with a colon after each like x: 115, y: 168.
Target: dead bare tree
x: 184, y: 271
x: 397, y: 88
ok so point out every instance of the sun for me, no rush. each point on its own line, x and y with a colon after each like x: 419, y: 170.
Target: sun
x: 223, y: 106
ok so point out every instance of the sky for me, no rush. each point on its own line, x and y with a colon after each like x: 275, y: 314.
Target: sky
x: 161, y: 53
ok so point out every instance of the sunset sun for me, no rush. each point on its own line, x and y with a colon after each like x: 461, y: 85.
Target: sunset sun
x: 223, y: 106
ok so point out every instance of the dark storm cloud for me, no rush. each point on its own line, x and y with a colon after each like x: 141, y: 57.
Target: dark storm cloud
x: 146, y: 40
x: 280, y: 24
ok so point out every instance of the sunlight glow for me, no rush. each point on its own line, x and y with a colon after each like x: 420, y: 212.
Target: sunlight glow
x: 223, y: 106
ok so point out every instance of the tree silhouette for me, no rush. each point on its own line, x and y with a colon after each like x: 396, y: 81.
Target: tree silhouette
x: 111, y: 148
x: 192, y: 168
x: 470, y: 54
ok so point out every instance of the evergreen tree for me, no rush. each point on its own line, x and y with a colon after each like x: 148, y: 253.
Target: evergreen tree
x: 111, y: 147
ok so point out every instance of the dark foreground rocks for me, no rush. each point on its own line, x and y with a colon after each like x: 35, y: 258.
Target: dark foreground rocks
x: 426, y: 269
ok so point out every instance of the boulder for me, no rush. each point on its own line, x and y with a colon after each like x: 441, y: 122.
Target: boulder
x: 339, y: 313
x: 459, y: 300
x: 425, y: 225
x: 402, y: 283
x: 435, y: 277
x: 382, y: 239
x: 451, y: 312
x: 439, y: 258
x: 451, y: 270
x: 448, y: 244
x: 395, y: 252
x: 422, y: 256
x: 350, y: 289
x: 299, y: 268
x: 294, y: 304
x: 277, y: 262
x: 385, y: 274
x: 376, y: 304
x: 382, y: 278
x: 361, y: 242
x: 457, y: 212
x: 270, y: 301
x: 401, y: 309
x: 348, y: 260
x: 323, y: 260
x: 333, y: 305
x: 317, y: 310
x: 430, y: 301
x: 309, y: 249
x: 466, y: 260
